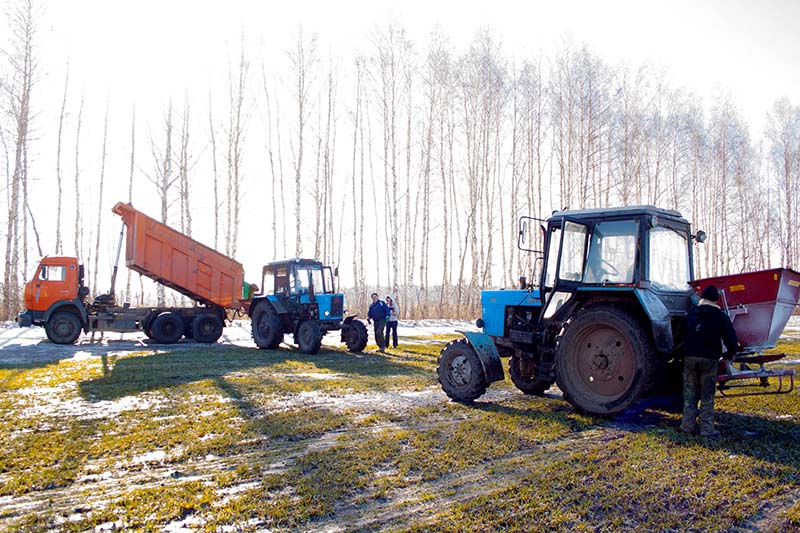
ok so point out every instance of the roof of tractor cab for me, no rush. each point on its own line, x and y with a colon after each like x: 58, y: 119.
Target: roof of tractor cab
x: 297, y: 261
x: 619, y: 212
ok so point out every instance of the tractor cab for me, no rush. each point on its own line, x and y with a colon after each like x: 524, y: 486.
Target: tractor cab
x: 304, y: 287
x: 642, y: 253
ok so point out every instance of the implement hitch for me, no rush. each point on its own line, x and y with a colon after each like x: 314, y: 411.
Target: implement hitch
x: 751, y: 373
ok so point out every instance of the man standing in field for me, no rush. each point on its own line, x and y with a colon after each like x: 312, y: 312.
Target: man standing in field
x: 377, y: 314
x: 708, y: 329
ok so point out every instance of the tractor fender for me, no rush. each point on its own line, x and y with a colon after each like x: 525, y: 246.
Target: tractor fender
x: 660, y: 319
x: 349, y: 318
x: 74, y: 305
x: 487, y: 353
x: 268, y: 300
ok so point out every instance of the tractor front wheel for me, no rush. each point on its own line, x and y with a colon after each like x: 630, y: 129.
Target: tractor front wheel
x: 605, y: 360
x: 356, y: 336
x: 309, y: 337
x: 521, y: 376
x: 460, y: 372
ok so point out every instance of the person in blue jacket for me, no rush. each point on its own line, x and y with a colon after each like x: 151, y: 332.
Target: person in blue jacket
x: 378, y: 312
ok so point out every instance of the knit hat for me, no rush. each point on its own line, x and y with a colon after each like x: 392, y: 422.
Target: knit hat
x: 710, y: 293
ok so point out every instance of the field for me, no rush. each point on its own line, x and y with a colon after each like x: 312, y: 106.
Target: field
x: 123, y: 436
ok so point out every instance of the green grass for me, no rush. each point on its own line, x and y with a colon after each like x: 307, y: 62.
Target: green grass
x: 228, y: 437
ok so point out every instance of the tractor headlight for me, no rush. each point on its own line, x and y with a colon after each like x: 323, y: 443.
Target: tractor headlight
x: 480, y: 323
x: 327, y: 313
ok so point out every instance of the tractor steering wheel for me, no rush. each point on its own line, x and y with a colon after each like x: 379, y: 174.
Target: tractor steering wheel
x: 609, y: 268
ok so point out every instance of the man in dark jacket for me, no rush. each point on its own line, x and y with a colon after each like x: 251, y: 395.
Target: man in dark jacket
x: 708, y: 328
x: 377, y: 314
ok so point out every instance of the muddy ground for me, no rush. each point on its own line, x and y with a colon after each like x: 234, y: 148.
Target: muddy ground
x: 123, y: 434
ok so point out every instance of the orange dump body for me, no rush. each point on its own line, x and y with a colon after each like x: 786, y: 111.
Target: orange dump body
x: 171, y: 258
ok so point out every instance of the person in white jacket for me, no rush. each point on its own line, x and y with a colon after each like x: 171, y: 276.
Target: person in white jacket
x: 391, y: 321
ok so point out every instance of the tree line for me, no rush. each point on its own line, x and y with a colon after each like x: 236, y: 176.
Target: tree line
x: 408, y: 165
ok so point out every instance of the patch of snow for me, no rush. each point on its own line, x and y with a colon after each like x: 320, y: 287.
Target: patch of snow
x: 157, y: 456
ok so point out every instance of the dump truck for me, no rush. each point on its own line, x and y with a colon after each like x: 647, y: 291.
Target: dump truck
x: 299, y: 297
x: 57, y: 298
x: 607, y: 320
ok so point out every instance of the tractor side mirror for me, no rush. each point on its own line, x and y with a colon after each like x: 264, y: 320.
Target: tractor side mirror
x: 525, y: 240
x: 700, y: 236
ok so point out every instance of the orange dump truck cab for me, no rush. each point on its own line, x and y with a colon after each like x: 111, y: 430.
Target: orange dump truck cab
x: 56, y: 290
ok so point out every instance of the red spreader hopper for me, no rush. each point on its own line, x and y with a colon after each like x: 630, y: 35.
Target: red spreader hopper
x: 760, y: 305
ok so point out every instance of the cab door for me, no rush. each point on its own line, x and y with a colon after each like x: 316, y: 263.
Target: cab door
x: 53, y: 282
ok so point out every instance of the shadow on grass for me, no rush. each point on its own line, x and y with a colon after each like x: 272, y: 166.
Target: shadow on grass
x: 124, y: 376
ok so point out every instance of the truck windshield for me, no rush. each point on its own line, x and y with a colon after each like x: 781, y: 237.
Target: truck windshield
x: 612, y: 252
x: 669, y: 259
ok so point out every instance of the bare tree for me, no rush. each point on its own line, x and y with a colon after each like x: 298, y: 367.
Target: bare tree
x: 100, y: 201
x: 303, y: 58
x: 24, y: 67
x: 238, y: 114
x: 59, y: 246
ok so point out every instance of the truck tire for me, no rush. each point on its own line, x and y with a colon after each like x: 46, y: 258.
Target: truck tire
x: 63, y: 328
x: 527, y: 385
x: 460, y: 372
x: 207, y: 327
x: 309, y: 337
x: 267, y: 327
x: 356, y: 336
x: 604, y: 360
x: 167, y: 328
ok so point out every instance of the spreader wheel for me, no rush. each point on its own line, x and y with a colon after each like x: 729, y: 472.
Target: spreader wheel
x: 460, y: 372
x: 605, y: 360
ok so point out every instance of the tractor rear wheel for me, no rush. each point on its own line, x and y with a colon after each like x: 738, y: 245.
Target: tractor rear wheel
x: 309, y: 337
x: 63, y: 328
x: 356, y: 336
x: 521, y: 378
x: 267, y: 328
x: 605, y: 360
x: 460, y: 372
x: 207, y: 327
x: 167, y: 328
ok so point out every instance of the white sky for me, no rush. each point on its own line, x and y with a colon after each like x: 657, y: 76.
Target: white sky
x: 148, y: 50
x: 747, y: 47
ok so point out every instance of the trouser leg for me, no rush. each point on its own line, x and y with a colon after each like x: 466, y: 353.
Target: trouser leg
x: 380, y: 326
x: 691, y: 395
x: 391, y: 327
x: 708, y: 382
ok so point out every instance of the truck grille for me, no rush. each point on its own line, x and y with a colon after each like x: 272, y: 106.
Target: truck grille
x: 337, y: 305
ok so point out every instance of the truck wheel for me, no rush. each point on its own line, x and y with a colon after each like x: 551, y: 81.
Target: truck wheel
x: 460, y: 372
x: 207, y: 327
x: 309, y: 337
x: 167, y: 328
x: 63, y: 328
x: 356, y: 336
x: 604, y: 361
x: 267, y: 328
x: 525, y: 383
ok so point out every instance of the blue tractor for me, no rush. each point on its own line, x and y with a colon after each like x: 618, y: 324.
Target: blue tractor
x: 605, y: 321
x: 298, y: 296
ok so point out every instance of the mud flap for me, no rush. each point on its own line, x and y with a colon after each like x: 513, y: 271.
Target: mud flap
x: 487, y: 353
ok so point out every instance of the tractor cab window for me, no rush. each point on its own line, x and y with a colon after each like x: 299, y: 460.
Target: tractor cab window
x: 53, y: 273
x: 669, y: 259
x: 572, y: 252
x: 281, y: 281
x: 612, y: 252
x: 316, y: 279
x: 552, y: 257
x: 299, y: 281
